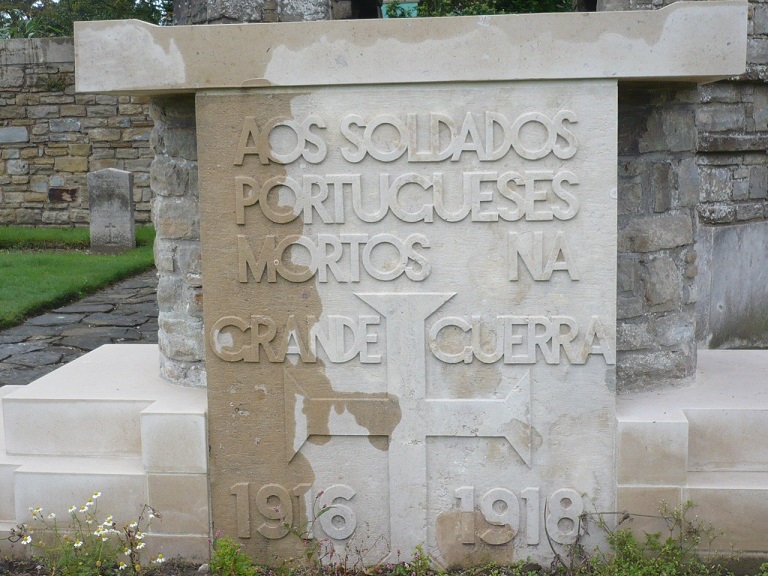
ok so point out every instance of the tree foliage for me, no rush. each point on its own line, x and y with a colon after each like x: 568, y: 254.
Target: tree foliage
x: 27, y: 18
x: 479, y: 7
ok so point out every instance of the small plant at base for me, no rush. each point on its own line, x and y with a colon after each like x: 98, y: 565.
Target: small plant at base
x: 674, y: 555
x: 314, y: 550
x: 84, y: 546
x: 228, y: 560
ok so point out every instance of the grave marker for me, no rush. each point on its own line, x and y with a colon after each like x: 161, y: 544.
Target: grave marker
x: 110, y: 202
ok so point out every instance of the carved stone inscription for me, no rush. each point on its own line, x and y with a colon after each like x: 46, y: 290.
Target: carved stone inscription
x: 410, y: 316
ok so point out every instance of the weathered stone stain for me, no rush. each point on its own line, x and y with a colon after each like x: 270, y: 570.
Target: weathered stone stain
x: 453, y: 554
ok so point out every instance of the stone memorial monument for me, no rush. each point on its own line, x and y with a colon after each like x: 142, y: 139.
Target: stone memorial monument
x: 110, y: 203
x: 409, y: 266
x: 412, y: 306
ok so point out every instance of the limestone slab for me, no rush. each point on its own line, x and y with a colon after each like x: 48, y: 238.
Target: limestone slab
x: 104, y: 393
x: 409, y: 309
x: 182, y: 500
x: 620, y: 45
x: 653, y: 452
x: 174, y: 436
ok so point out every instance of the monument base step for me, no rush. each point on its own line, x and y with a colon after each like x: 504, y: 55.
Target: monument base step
x: 700, y: 444
x: 107, y: 423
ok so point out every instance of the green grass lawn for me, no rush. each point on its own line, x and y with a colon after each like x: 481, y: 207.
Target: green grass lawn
x: 35, y: 278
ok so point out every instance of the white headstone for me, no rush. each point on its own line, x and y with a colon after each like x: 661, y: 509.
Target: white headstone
x: 110, y: 203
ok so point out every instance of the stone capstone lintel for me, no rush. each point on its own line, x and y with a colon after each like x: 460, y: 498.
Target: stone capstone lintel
x: 663, y: 45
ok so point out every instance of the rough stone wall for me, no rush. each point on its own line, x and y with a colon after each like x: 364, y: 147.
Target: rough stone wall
x: 658, y: 193
x: 50, y: 137
x: 176, y: 216
x: 232, y: 11
x: 691, y: 159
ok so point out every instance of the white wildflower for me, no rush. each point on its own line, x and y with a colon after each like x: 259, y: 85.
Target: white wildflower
x: 26, y: 540
x: 159, y: 559
x: 78, y: 543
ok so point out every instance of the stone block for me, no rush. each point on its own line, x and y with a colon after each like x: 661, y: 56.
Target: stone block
x: 751, y: 211
x: 106, y: 100
x: 757, y: 51
x: 720, y: 117
x: 42, y: 111
x: 11, y: 77
x: 669, y: 128
x: 163, y: 250
x: 188, y: 257
x: 130, y: 109
x: 758, y: 182
x: 181, y: 339
x: 740, y: 189
x: 104, y: 134
x: 17, y: 167
x: 652, y: 452
x: 760, y: 108
x: 175, y: 218
x: 715, y: 439
x: 630, y: 196
x: 717, y: 213
x: 182, y: 500
x: 110, y: 202
x: 14, y: 134
x: 79, y: 149
x: 72, y: 110
x: 662, y: 186
x: 736, y: 313
x: 174, y: 436
x: 662, y: 283
x: 716, y: 184
x: 30, y: 154
x: 719, y: 92
x: 170, y: 176
x: 101, y: 111
x: 64, y: 125
x: 652, y: 233
x: 644, y: 505
x: 71, y: 164
x: 725, y: 501
x: 136, y: 134
x: 634, y: 336
x: 689, y: 183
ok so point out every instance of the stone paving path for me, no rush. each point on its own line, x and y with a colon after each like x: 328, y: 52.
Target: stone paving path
x: 126, y: 312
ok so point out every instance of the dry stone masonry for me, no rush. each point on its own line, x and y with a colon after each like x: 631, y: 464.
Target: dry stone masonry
x: 50, y: 137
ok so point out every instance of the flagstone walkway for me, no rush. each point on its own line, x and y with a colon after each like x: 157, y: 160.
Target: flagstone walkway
x: 125, y: 312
